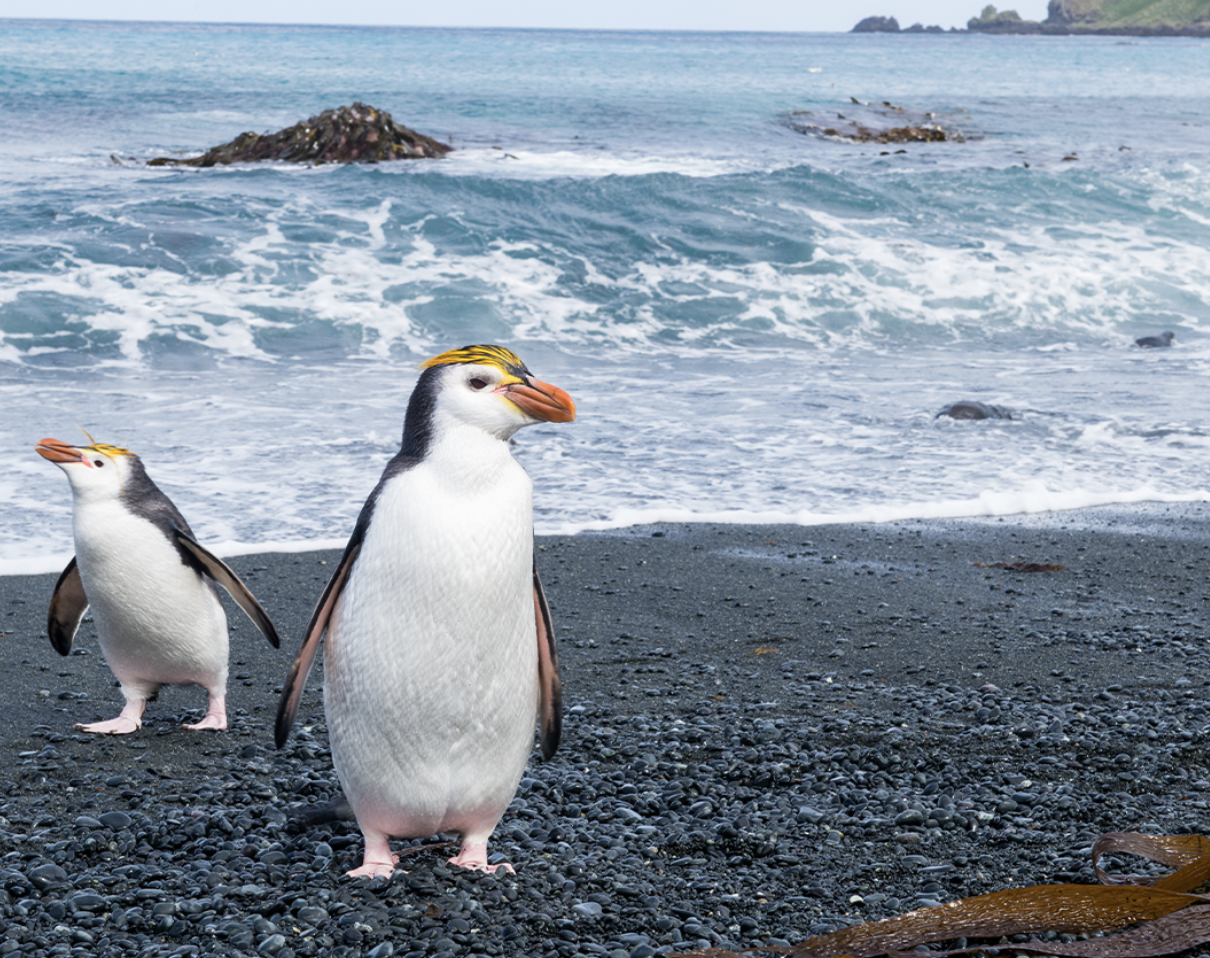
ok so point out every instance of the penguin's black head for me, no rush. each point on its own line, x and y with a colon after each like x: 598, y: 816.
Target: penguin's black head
x: 487, y: 387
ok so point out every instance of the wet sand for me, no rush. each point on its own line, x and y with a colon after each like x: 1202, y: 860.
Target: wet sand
x: 763, y: 606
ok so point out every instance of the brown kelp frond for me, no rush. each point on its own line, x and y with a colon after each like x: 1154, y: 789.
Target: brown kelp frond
x: 1135, y: 916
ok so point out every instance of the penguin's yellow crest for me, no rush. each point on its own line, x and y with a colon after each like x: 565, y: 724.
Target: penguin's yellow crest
x: 104, y: 448
x: 503, y: 359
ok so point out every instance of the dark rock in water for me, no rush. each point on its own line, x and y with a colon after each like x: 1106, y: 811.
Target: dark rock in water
x: 877, y: 25
x: 900, y: 134
x: 969, y: 409
x: 347, y: 134
x: 1152, y: 342
x: 857, y: 133
x: 921, y: 28
x: 875, y: 123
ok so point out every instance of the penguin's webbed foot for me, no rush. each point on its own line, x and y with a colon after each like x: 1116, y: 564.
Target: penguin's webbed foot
x: 130, y: 720
x: 122, y: 725
x: 374, y: 870
x: 379, y: 861
x: 211, y: 721
x: 216, y: 713
x: 474, y: 857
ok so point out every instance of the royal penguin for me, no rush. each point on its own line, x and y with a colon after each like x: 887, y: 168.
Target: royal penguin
x: 440, y: 653
x: 149, y: 583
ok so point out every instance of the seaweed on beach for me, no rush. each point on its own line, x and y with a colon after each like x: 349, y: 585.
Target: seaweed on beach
x: 1167, y: 916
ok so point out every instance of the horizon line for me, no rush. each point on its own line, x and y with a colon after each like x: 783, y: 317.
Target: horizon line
x: 407, y: 26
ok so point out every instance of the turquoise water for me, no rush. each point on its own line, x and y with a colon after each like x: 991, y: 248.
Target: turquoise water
x: 756, y: 320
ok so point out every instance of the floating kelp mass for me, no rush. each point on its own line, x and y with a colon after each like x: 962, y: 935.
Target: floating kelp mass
x: 347, y: 134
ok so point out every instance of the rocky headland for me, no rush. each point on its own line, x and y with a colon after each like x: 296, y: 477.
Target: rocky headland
x: 1068, y: 17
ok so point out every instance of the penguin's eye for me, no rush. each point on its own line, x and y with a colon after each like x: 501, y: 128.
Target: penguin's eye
x: 477, y: 383
x: 98, y: 463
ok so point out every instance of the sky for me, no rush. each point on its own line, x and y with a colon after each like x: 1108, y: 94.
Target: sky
x: 775, y: 15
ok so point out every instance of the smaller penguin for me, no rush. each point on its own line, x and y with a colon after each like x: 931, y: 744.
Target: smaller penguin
x: 149, y: 583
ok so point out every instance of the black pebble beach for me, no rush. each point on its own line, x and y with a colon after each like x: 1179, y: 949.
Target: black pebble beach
x: 770, y: 733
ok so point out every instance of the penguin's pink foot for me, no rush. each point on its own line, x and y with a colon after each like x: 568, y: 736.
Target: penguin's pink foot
x: 379, y: 861
x: 118, y: 726
x: 217, y: 722
x: 131, y: 720
x: 216, y: 714
x: 474, y: 857
x: 373, y: 870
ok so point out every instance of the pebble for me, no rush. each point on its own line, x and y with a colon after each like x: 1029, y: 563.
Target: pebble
x: 697, y: 833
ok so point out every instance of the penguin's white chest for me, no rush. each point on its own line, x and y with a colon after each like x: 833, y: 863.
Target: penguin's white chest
x: 431, y: 654
x: 157, y: 620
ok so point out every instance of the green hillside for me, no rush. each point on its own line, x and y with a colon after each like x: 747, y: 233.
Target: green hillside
x: 1116, y: 14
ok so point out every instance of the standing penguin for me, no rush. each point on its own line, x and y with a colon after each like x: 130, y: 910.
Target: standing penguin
x: 158, y: 616
x: 440, y: 651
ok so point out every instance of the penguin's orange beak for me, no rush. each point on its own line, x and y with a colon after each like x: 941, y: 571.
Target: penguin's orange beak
x: 57, y: 451
x: 542, y: 400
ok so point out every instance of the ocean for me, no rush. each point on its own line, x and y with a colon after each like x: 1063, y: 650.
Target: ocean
x: 758, y: 321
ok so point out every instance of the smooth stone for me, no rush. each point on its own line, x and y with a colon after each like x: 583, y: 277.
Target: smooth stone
x: 808, y: 815
x: 87, y: 901
x: 46, y: 875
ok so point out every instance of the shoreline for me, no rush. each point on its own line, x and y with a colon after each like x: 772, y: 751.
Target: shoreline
x: 762, y: 722
x: 1093, y: 514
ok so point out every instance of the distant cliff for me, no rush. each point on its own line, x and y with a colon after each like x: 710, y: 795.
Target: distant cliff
x: 1190, y: 18
x: 1184, y: 17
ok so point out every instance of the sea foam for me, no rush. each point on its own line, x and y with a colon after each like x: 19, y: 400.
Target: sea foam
x: 755, y: 323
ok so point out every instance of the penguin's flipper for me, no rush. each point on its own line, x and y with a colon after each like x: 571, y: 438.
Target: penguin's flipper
x: 67, y: 607
x: 209, y: 564
x: 550, y: 686
x: 296, y: 681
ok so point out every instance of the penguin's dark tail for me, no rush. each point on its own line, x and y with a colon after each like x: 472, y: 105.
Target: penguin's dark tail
x: 336, y: 809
